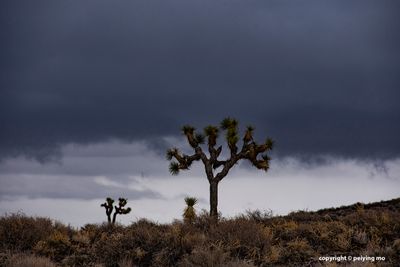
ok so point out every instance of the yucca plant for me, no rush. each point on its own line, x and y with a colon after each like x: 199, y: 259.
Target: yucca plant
x: 189, y: 213
x: 250, y: 150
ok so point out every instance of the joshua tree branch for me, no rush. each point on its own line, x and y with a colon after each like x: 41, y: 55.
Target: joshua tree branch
x: 252, y: 150
x: 207, y: 163
x: 184, y: 160
x: 227, y: 166
x: 245, y: 153
x: 213, y: 152
x: 120, y: 209
x: 219, y: 163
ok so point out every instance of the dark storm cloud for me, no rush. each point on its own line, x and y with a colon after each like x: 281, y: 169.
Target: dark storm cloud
x: 318, y: 77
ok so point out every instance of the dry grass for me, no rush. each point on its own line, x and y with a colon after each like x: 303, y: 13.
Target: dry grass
x: 27, y: 260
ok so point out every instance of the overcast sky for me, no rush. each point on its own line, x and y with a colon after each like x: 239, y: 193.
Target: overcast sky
x: 92, y: 93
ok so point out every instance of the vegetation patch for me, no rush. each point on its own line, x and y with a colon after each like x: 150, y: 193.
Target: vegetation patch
x: 252, y: 239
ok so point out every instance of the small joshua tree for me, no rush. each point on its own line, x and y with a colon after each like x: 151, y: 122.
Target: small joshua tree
x: 108, y: 205
x: 250, y: 150
x: 189, y: 213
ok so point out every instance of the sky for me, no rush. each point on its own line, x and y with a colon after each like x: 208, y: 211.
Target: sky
x: 92, y: 93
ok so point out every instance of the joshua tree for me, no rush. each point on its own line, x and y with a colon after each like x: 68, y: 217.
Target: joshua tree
x: 189, y: 213
x: 108, y: 205
x: 250, y: 150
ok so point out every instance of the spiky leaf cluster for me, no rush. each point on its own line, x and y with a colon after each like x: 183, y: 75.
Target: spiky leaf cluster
x: 212, y: 133
x: 171, y: 152
x: 228, y: 123
x: 187, y: 129
x: 230, y: 126
x: 255, y: 153
x: 184, y: 161
x: 190, y: 201
x: 174, y: 168
x: 269, y: 143
x: 211, y: 130
x: 194, y: 139
x: 255, y: 149
x: 248, y: 135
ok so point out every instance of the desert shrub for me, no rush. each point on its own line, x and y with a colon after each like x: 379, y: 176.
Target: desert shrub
x: 177, y: 240
x: 333, y: 236
x: 238, y: 263
x: 20, y: 233
x: 394, y: 254
x: 203, y: 221
x: 77, y: 259
x: 396, y: 245
x: 91, y: 231
x: 138, y: 242
x: 66, y: 246
x: 243, y: 238
x: 286, y: 230
x: 208, y: 256
x: 4, y: 258
x: 57, y: 246
x: 81, y: 238
x: 274, y: 254
x: 126, y: 263
x: 297, y: 251
x: 28, y: 260
x: 108, y: 249
x: 303, y: 216
x: 258, y: 215
x: 359, y: 239
x: 146, y: 238
x: 308, y: 232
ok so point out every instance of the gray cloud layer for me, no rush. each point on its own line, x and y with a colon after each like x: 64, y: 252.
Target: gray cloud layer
x: 117, y: 169
x: 318, y: 77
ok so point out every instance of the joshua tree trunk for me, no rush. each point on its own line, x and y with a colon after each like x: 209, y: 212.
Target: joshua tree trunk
x: 214, y: 199
x: 108, y: 205
x: 114, y: 217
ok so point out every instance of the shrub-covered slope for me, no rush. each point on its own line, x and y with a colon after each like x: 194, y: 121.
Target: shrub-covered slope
x: 253, y: 239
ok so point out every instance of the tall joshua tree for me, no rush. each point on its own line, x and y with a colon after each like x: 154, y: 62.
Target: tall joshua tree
x: 250, y: 150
